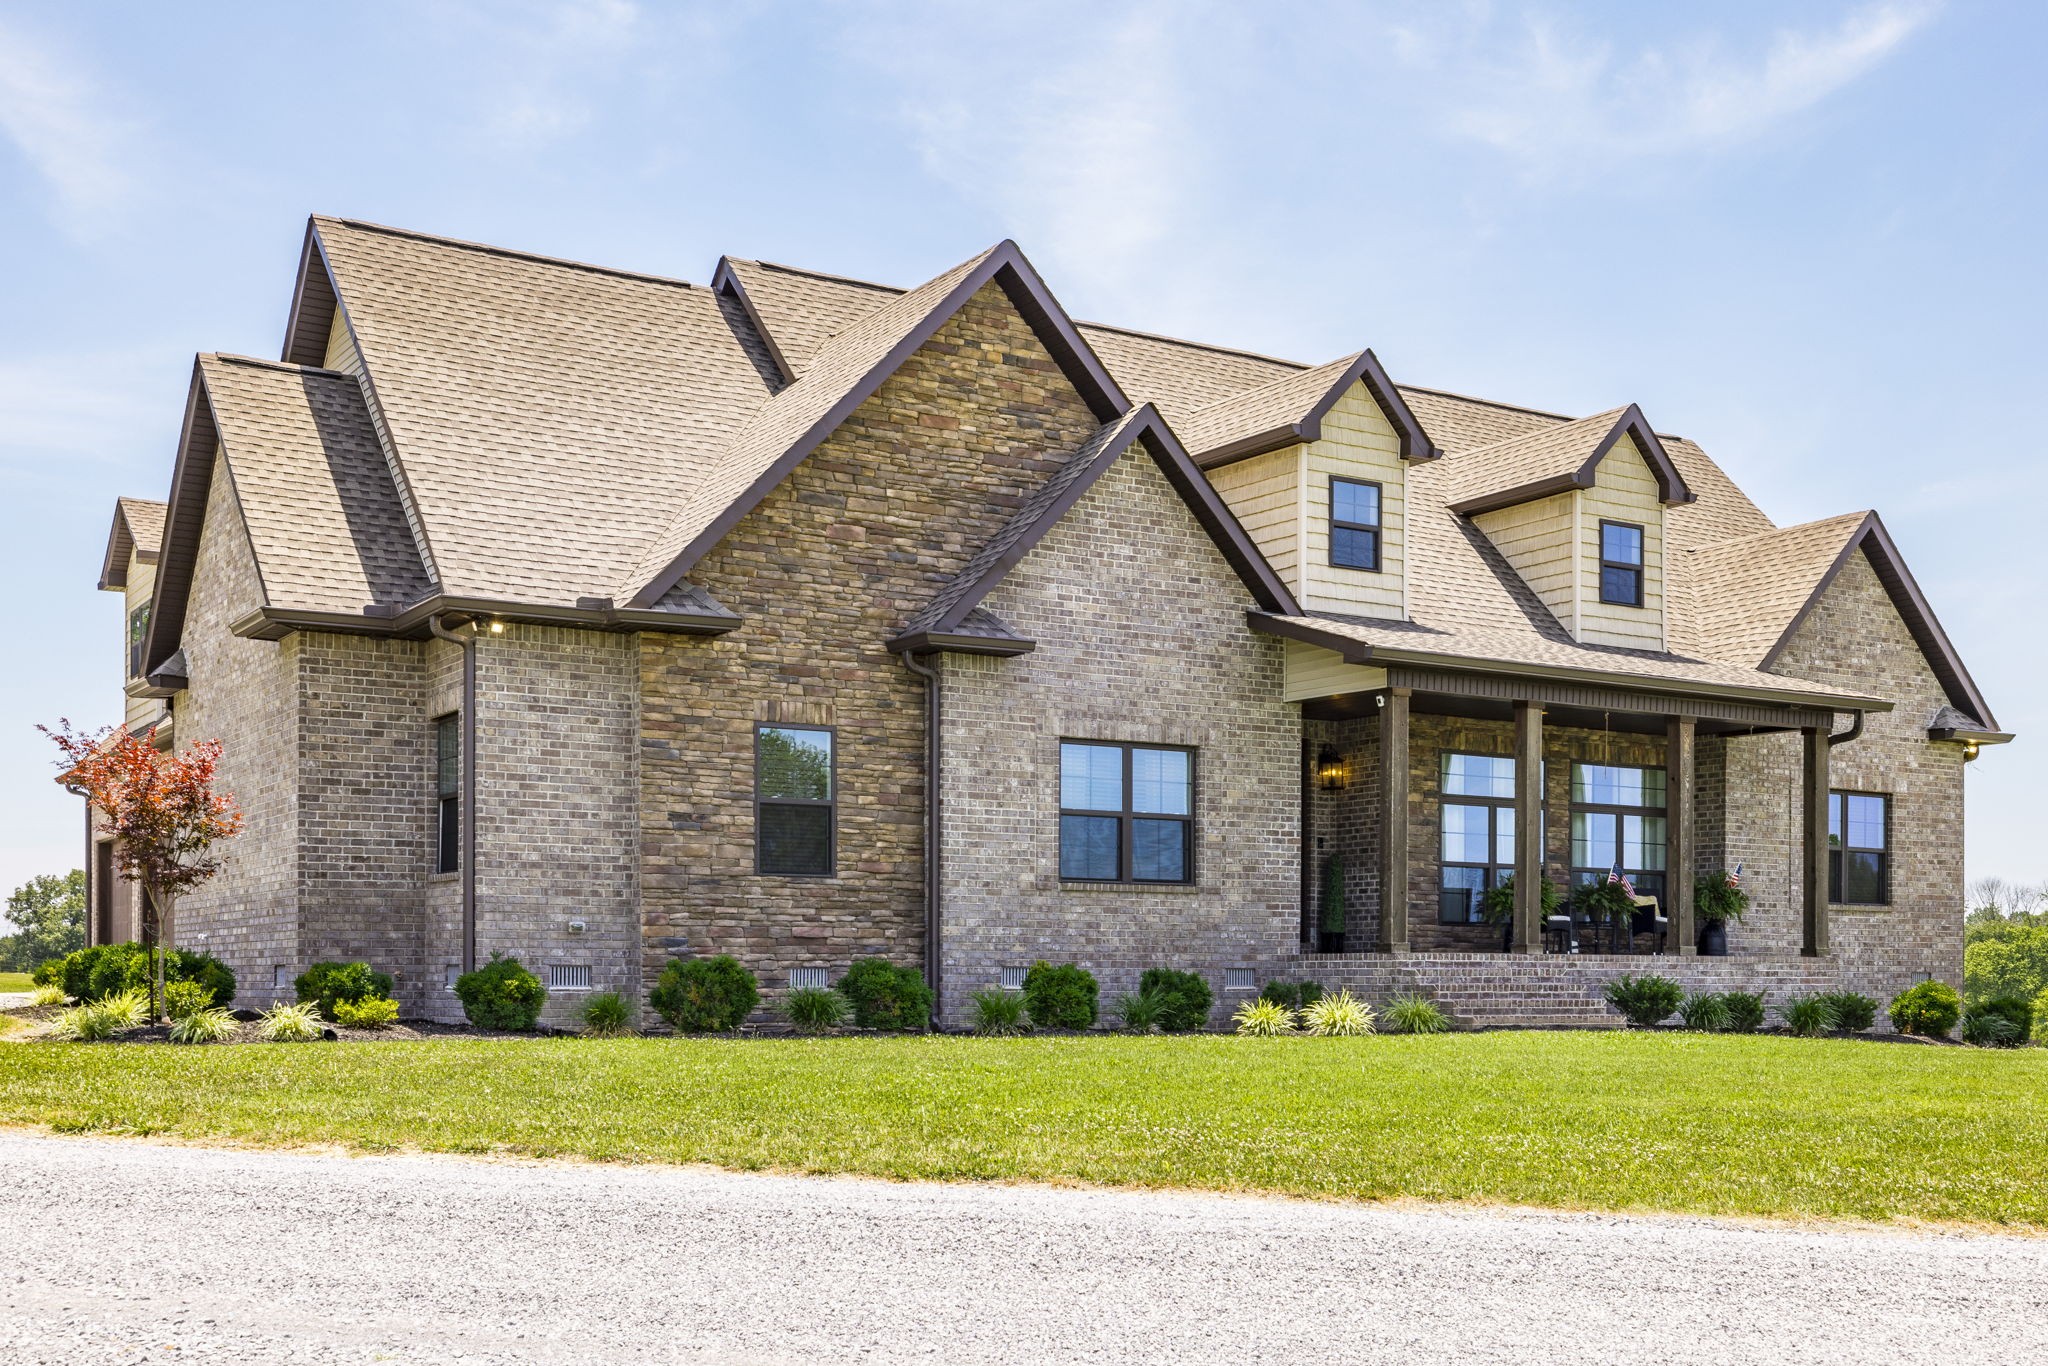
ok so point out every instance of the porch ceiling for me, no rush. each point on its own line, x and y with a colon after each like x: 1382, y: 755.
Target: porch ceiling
x: 1352, y: 706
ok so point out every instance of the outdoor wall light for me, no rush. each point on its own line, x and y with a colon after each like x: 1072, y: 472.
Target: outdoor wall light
x: 1330, y: 773
x: 497, y: 628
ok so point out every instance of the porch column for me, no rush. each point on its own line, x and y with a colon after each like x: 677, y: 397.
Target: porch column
x: 1678, y: 833
x: 1528, y: 827
x: 1394, y: 821
x: 1814, y: 856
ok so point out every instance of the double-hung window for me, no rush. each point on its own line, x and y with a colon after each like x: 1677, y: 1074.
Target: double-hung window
x: 1354, y: 523
x: 1478, y: 833
x: 1127, y: 812
x: 1859, y: 849
x: 448, y: 793
x: 138, y: 627
x: 795, y: 789
x: 1621, y: 563
x: 1618, y: 821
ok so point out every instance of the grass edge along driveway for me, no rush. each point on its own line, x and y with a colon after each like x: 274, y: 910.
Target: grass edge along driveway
x: 1671, y: 1122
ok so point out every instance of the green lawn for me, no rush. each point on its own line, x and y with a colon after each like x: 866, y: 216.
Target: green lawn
x: 1666, y: 1121
x: 15, y: 981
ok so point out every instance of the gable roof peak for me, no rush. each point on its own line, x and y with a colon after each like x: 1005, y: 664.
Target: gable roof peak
x: 1556, y: 460
x: 1290, y: 409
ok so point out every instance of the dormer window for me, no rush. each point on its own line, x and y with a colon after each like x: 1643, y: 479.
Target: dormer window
x: 138, y: 628
x: 1621, y: 564
x: 1354, y: 524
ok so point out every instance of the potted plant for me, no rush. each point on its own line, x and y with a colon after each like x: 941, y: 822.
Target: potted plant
x: 1716, y: 900
x: 1497, y: 907
x: 1608, y: 902
x: 1331, y: 939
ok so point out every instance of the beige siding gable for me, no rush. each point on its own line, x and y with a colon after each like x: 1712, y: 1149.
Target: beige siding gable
x: 1265, y: 494
x: 1357, y: 443
x: 1624, y: 490
x: 341, y: 347
x: 141, y: 586
x: 1537, y: 538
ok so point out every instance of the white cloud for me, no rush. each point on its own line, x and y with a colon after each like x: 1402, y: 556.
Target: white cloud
x: 1563, y: 104
x: 59, y: 122
x: 543, y: 64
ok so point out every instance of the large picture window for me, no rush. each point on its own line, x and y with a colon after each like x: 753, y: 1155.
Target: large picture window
x: 1621, y: 563
x: 1126, y: 812
x: 448, y: 793
x: 1618, y: 820
x: 795, y: 788
x: 1477, y: 833
x: 1354, y: 523
x: 1859, y: 849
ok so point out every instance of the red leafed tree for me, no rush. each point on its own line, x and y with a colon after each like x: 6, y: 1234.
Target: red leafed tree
x: 166, y: 818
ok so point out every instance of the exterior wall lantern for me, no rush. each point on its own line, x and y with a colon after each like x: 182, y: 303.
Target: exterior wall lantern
x: 1330, y: 771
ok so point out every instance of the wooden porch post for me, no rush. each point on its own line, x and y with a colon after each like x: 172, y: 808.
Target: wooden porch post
x: 1394, y: 822
x: 1814, y: 860
x: 1528, y: 827
x: 1678, y: 830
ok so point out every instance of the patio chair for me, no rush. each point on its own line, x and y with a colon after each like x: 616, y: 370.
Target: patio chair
x: 1560, y: 933
x: 1649, y: 918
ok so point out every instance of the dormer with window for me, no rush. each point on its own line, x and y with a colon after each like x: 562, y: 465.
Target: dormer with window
x: 1315, y: 467
x: 129, y: 569
x: 1578, y: 511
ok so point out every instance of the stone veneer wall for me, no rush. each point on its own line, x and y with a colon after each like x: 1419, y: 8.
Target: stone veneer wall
x: 824, y: 571
x: 245, y: 694
x: 1141, y: 637
x: 1855, y: 639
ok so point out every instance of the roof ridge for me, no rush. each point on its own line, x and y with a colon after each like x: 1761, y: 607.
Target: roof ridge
x: 1779, y: 531
x: 1196, y: 345
x: 234, y: 358
x: 821, y: 275
x: 1487, y: 402
x: 510, y: 252
x: 1242, y: 394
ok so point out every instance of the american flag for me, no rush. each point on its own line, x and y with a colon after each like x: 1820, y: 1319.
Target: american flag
x: 1735, y: 878
x: 1615, y: 874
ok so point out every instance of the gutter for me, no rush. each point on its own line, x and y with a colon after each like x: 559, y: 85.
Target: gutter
x: 934, y: 748
x: 386, y: 619
x: 469, y: 792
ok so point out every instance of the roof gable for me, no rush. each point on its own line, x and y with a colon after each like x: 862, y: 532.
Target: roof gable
x: 1558, y: 459
x: 844, y: 374
x: 952, y: 613
x: 1291, y: 409
x: 137, y: 533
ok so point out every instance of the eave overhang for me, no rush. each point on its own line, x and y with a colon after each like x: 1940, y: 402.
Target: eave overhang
x: 954, y: 642
x: 597, y: 614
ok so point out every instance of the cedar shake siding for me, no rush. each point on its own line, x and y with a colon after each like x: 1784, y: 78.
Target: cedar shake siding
x: 1141, y: 637
x: 861, y: 534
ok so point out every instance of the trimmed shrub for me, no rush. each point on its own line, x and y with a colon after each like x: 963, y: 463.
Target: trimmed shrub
x: 185, y: 998
x: 1410, y: 1013
x: 813, y: 1010
x: 886, y: 996
x: 1264, y: 1019
x: 285, y: 1023
x: 1929, y: 1010
x: 328, y: 984
x: 502, y: 994
x: 49, y: 972
x: 1645, y: 1001
x: 2002, y: 1021
x: 93, y: 974
x: 998, y: 1012
x: 209, y: 1025
x: 1339, y: 1015
x: 1854, y: 1012
x: 1139, y: 1012
x: 607, y: 1015
x: 1745, y: 1011
x: 1293, y: 995
x: 1186, y: 997
x: 1706, y: 1011
x: 1062, y: 997
x: 705, y: 995
x: 371, y: 1012
x: 1809, y: 1016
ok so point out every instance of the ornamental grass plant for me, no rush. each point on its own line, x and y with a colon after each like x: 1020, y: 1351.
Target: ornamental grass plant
x: 1338, y: 1015
x: 1412, y: 1013
x: 1264, y: 1019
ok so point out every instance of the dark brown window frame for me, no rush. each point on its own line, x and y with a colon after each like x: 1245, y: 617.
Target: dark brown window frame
x: 1127, y: 815
x: 1637, y: 876
x: 447, y: 798
x: 1376, y: 528
x: 1495, y: 805
x: 1640, y: 569
x: 831, y: 804
x: 1836, y: 851
x: 138, y: 631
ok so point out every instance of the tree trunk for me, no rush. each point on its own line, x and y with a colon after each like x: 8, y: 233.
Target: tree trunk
x: 154, y: 916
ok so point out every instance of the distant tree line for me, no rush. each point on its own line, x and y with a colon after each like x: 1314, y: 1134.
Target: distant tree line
x: 48, y: 914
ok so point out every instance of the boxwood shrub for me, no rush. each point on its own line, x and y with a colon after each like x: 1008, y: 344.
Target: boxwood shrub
x: 1929, y: 1010
x: 705, y: 995
x: 1185, y: 999
x: 329, y: 984
x: 1062, y: 997
x: 501, y: 994
x: 93, y: 974
x: 1645, y: 1000
x: 886, y: 996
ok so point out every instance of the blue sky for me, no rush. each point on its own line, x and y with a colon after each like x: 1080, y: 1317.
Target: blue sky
x: 1805, y: 235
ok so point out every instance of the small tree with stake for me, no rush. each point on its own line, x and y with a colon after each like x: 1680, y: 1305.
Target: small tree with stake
x: 166, y: 818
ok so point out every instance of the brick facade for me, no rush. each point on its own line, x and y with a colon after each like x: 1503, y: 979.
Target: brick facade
x: 1142, y: 638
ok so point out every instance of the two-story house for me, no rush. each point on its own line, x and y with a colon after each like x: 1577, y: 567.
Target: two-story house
x: 601, y: 618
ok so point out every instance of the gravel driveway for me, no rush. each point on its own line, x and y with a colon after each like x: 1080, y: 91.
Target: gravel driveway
x: 120, y: 1250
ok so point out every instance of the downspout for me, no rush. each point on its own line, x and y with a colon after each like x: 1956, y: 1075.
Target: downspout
x: 1855, y: 729
x: 469, y: 792
x: 933, y: 718
x: 92, y: 869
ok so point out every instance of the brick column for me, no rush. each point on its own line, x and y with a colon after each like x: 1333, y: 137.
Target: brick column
x: 1814, y: 856
x: 1678, y: 830
x: 1528, y: 827
x: 1394, y: 821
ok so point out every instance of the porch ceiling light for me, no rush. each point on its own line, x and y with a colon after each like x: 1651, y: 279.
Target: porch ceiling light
x: 1330, y: 771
